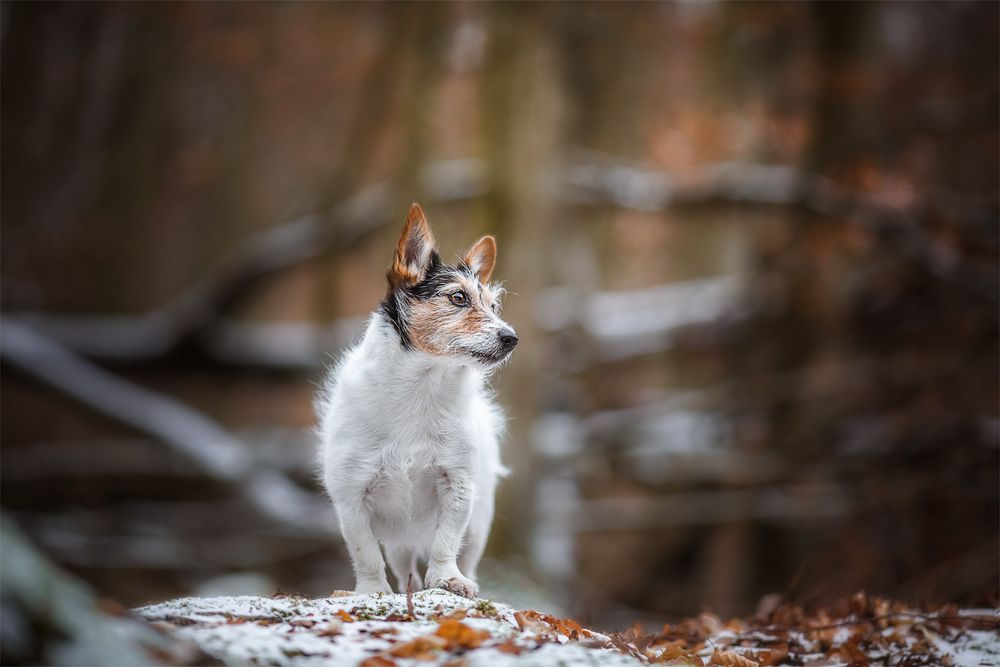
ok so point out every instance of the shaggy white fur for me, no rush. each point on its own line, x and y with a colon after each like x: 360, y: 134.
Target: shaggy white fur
x: 409, y: 453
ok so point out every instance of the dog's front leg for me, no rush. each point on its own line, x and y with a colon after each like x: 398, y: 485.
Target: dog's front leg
x: 366, y: 556
x: 455, y: 495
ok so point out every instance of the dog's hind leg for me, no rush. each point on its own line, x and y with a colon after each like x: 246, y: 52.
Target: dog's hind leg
x: 403, y: 563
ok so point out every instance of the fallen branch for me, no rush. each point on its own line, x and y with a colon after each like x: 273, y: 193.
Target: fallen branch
x: 622, y: 324
x: 290, y: 450
x: 596, y: 179
x: 72, y: 545
x: 186, y: 431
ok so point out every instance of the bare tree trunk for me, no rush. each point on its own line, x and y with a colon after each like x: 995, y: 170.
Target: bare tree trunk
x: 523, y: 113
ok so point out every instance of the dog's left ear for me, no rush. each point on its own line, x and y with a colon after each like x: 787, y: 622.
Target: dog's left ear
x: 481, y: 257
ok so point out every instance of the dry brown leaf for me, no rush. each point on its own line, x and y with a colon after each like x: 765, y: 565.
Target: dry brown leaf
x: 675, y: 655
x: 567, y: 627
x: 851, y: 651
x: 509, y: 647
x: 529, y: 621
x: 671, y: 651
x: 774, y: 655
x: 731, y: 659
x: 460, y: 635
x: 377, y: 661
x: 401, y: 618
x: 564, y: 626
x: 622, y: 642
x: 421, y: 648
x: 455, y: 614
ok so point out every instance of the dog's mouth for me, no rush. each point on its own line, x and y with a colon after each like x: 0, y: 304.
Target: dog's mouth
x: 488, y: 359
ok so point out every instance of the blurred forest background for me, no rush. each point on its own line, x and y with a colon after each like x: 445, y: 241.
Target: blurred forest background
x: 752, y: 251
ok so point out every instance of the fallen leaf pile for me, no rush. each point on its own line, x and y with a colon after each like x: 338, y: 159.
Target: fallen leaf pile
x: 865, y: 630
x: 437, y: 628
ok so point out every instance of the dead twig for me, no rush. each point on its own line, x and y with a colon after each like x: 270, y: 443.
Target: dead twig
x: 409, y: 597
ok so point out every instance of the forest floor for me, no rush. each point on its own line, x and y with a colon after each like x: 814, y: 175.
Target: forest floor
x: 434, y: 627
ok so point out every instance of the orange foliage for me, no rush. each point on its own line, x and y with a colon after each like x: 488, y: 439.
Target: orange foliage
x: 460, y: 635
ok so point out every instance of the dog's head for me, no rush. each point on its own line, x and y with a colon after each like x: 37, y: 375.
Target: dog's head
x: 449, y: 311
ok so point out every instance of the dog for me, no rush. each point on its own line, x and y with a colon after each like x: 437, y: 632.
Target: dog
x: 409, y: 429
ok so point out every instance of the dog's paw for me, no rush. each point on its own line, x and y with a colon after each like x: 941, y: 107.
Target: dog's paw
x: 457, y: 584
x: 372, y: 587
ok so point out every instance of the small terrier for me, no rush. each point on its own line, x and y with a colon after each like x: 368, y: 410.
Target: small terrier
x: 407, y: 424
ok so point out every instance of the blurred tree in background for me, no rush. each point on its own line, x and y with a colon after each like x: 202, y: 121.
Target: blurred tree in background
x: 752, y: 251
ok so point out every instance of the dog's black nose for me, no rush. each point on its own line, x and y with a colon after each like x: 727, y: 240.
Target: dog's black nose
x: 508, y: 339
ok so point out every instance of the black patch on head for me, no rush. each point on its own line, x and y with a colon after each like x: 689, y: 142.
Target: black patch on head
x: 436, y: 277
x: 389, y: 309
x: 466, y: 269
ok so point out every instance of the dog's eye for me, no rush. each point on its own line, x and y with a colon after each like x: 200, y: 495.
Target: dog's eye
x: 458, y: 298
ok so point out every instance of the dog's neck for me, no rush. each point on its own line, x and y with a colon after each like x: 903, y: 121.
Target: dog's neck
x: 413, y: 373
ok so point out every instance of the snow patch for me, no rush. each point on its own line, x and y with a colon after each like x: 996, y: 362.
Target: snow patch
x: 347, y: 628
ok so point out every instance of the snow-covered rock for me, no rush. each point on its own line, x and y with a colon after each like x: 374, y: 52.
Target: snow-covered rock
x: 350, y: 629
x: 434, y: 627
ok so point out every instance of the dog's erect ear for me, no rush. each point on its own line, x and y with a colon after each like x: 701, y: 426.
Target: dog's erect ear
x: 482, y: 257
x: 414, y: 250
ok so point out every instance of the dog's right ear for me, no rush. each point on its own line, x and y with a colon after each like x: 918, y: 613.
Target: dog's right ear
x: 414, y: 250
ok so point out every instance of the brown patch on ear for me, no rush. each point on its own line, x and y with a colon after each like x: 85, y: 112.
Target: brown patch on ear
x: 482, y: 257
x: 413, y: 250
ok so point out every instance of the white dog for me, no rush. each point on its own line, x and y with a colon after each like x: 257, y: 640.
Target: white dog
x: 408, y: 428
